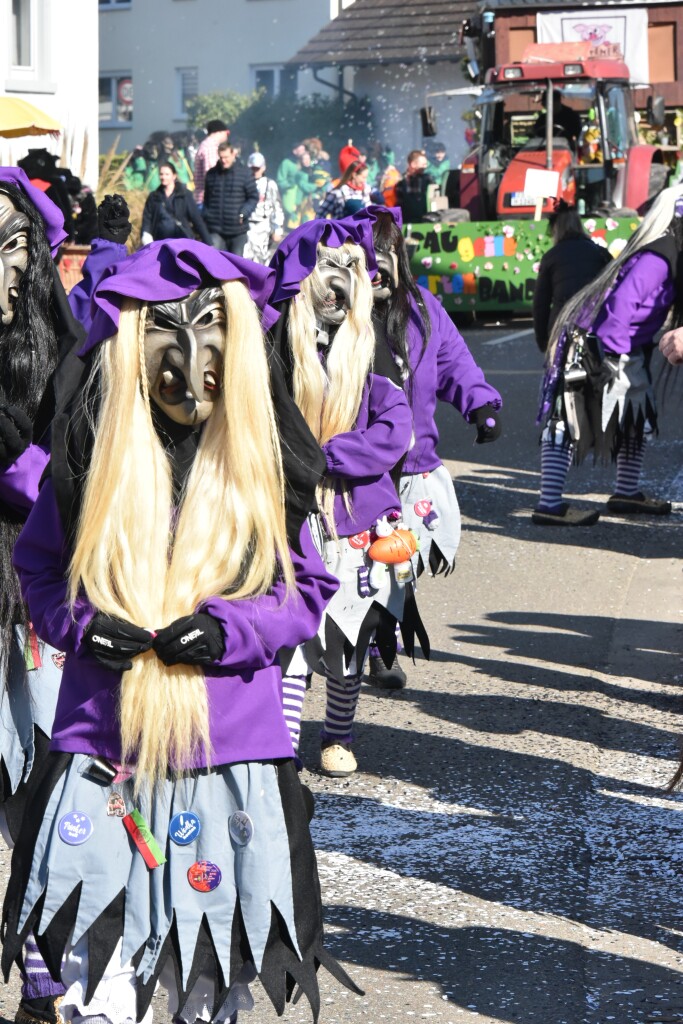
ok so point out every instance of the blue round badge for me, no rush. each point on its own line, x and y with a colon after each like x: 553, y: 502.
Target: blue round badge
x: 184, y: 828
x: 75, y: 828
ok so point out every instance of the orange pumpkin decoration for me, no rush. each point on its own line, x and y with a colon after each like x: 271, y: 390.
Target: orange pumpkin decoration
x: 399, y: 547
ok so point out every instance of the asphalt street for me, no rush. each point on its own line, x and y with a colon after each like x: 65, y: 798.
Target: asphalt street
x: 506, y: 851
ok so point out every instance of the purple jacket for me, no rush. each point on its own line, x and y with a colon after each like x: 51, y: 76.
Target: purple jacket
x: 100, y: 256
x: 366, y: 455
x: 19, y: 482
x: 244, y: 686
x: 445, y: 371
x: 637, y: 305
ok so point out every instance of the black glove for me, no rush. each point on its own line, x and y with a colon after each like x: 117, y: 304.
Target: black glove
x: 488, y: 424
x: 114, y: 641
x: 16, y: 433
x: 113, y: 222
x: 193, y: 640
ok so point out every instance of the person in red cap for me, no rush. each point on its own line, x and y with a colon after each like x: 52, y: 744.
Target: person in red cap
x: 348, y: 155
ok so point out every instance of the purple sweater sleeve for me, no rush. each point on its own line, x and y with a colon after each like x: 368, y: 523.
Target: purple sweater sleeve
x: 42, y: 563
x: 19, y: 482
x: 637, y: 306
x: 460, y: 382
x: 256, y: 629
x: 376, y: 447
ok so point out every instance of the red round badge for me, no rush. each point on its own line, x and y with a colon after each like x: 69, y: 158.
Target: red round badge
x: 204, y: 876
x: 423, y: 507
x: 360, y: 540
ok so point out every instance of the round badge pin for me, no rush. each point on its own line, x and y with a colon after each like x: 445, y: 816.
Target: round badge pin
x: 204, y: 876
x: 75, y: 828
x: 422, y: 507
x: 241, y: 828
x: 184, y: 828
x: 359, y: 540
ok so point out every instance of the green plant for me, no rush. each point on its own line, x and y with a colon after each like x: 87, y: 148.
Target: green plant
x: 224, y: 106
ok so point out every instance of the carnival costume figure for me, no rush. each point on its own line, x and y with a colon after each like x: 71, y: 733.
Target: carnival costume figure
x: 435, y: 366
x: 36, y: 327
x: 597, y: 393
x: 168, y: 837
x: 361, y: 418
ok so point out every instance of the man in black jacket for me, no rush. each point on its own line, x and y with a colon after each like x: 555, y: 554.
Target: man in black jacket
x: 230, y: 197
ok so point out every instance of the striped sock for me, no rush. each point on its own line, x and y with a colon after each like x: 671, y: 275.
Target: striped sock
x: 629, y: 465
x: 293, y: 694
x: 342, y: 699
x: 555, y: 461
x: 37, y: 982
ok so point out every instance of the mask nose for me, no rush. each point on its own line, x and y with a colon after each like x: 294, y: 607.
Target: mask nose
x: 194, y: 376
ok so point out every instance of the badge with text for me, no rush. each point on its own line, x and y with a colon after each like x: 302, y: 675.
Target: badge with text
x: 241, y: 828
x: 184, y: 828
x: 360, y: 540
x: 423, y: 507
x: 75, y: 828
x: 204, y: 876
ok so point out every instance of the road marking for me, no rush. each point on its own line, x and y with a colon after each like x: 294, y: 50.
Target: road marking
x: 509, y: 337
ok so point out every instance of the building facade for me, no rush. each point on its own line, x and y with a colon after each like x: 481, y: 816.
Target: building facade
x: 48, y: 56
x: 155, y: 55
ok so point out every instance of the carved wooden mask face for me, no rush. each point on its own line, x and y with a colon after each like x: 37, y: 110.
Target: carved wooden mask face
x: 14, y: 233
x: 184, y: 345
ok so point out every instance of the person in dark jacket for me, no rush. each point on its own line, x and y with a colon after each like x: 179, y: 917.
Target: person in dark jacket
x: 170, y: 210
x: 573, y: 262
x: 230, y: 198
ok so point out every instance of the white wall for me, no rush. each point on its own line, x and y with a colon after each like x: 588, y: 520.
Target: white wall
x: 62, y: 81
x: 222, y: 38
x: 397, y: 94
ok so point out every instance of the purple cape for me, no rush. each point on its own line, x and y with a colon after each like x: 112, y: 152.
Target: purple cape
x: 166, y: 271
x: 53, y: 218
x: 296, y: 255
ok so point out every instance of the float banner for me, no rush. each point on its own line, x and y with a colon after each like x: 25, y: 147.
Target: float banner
x: 617, y: 34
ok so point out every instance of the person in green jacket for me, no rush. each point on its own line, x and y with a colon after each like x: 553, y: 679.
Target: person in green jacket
x: 297, y: 183
x: 439, y: 167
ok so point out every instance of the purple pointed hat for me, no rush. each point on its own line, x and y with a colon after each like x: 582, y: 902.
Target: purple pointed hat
x: 167, y: 271
x: 295, y: 257
x: 53, y: 218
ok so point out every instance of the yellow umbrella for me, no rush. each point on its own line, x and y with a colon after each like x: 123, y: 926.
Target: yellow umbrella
x: 17, y: 118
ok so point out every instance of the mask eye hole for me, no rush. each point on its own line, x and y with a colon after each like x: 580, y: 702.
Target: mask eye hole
x: 16, y: 243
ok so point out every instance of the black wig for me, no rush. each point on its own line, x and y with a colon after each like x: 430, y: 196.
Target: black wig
x: 28, y: 353
x: 387, y: 236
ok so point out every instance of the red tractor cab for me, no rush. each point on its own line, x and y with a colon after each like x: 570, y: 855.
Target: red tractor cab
x: 561, y: 110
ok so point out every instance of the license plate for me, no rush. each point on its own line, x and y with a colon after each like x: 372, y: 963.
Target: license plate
x: 520, y: 199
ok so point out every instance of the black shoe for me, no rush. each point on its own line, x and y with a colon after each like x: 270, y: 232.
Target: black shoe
x: 563, y: 515
x: 384, y: 678
x: 639, y: 504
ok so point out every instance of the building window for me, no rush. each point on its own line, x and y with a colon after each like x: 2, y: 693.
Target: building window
x: 187, y: 87
x: 274, y: 79
x: 116, y: 100
x: 114, y: 5
x: 21, y: 34
x: 662, y: 49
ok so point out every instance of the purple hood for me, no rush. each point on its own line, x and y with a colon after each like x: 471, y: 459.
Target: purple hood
x: 53, y: 218
x: 166, y: 271
x: 295, y: 257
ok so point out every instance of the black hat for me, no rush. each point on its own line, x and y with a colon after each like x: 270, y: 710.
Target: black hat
x: 216, y: 126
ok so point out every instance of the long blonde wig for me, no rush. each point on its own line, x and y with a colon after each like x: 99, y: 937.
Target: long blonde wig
x: 329, y: 396
x: 139, y: 558
x: 655, y: 224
